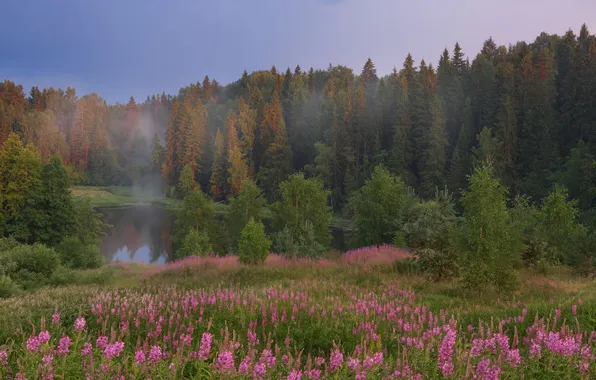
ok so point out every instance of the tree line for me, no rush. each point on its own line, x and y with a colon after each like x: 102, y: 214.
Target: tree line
x: 526, y: 107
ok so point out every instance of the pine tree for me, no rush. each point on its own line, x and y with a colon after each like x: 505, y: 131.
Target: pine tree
x: 461, y: 164
x: 218, y: 169
x: 369, y: 73
x: 157, y: 153
x: 248, y: 125
x: 237, y: 168
x: 194, y: 135
x: 432, y: 168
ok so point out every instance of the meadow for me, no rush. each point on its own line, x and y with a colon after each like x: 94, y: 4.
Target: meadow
x: 366, y: 314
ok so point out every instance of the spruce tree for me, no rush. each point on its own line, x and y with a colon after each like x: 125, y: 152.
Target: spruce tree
x: 218, y: 169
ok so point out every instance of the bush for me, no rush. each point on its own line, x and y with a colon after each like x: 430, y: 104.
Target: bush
x: 195, y: 243
x: 36, y: 258
x: 75, y: 254
x: 253, y: 247
x: 437, y: 264
x: 305, y: 244
x: 63, y: 276
x: 8, y: 287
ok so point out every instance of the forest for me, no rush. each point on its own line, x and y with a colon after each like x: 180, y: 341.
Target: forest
x: 526, y: 107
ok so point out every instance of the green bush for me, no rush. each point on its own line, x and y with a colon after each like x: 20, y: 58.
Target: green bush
x: 305, y: 244
x: 63, y: 276
x: 253, y: 247
x: 8, y: 287
x: 195, y: 243
x: 36, y: 258
x: 75, y: 254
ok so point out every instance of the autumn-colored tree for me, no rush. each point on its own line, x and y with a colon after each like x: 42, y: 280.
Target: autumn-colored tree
x: 194, y: 135
x: 218, y: 168
x: 248, y: 125
x: 237, y: 168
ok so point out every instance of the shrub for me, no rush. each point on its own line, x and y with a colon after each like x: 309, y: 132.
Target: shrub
x: 437, y: 264
x: 253, y: 247
x: 8, y: 287
x: 75, y: 254
x: 35, y: 258
x: 195, y: 243
x: 305, y: 244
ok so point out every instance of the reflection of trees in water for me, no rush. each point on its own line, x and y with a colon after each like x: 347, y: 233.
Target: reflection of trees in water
x: 135, y: 227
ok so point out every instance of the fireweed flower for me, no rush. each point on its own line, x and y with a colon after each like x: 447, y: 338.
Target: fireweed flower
x: 113, y: 350
x: 47, y: 358
x: 80, y: 324
x: 87, y: 348
x: 314, y: 374
x: 43, y: 337
x: 259, y: 370
x: 353, y: 364
x: 225, y: 361
x: 139, y: 357
x: 155, y: 354
x: 63, y: 347
x: 336, y: 359
x: 55, y: 318
x: 3, y: 357
x: 244, y: 365
x: 205, y: 348
x: 295, y: 375
x: 513, y: 357
x: 33, y: 344
x: 102, y: 341
x: 574, y: 309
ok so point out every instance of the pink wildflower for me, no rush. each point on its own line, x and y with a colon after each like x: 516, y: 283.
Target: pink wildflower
x: 47, y: 358
x: 336, y: 359
x: 205, y: 346
x: 314, y: 374
x: 102, y: 341
x: 139, y: 357
x: 259, y: 370
x: 63, y: 347
x: 79, y: 323
x: 535, y: 350
x: 353, y: 364
x: 513, y: 357
x: 225, y: 361
x: 113, y: 350
x: 155, y: 354
x: 87, y: 348
x: 55, y: 318
x: 32, y: 344
x: 361, y: 375
x: 244, y: 365
x: 295, y: 375
x: 574, y: 309
x: 43, y: 337
x: 3, y: 357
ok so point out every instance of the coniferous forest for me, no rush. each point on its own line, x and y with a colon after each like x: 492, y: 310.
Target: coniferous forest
x: 526, y: 107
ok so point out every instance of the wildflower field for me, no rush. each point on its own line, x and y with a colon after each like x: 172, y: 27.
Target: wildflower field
x: 361, y: 316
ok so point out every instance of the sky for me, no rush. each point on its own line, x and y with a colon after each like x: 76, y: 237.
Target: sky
x: 123, y: 48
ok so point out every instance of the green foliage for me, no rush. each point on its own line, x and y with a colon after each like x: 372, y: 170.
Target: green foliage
x: 78, y: 255
x: 303, y: 245
x: 89, y: 228
x: 195, y: 243
x: 381, y: 207
x: 487, y: 243
x: 197, y: 213
x: 248, y: 204
x: 428, y: 232
x: 253, y: 247
x: 8, y: 287
x: 558, y: 225
x: 187, y: 181
x: 304, y: 200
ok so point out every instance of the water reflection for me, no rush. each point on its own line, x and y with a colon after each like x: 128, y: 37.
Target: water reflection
x: 139, y: 233
x: 143, y: 234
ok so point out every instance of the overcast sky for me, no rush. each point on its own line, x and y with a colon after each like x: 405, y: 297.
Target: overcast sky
x: 120, y: 48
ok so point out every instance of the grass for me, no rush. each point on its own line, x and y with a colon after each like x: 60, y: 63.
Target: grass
x: 124, y: 196
x: 358, y: 304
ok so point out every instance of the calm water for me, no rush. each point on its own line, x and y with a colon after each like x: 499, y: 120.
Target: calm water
x: 143, y: 234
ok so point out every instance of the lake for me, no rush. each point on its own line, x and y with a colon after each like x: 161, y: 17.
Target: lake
x: 143, y: 234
